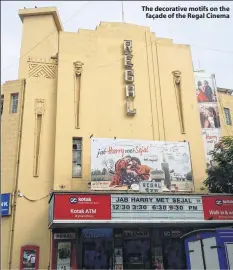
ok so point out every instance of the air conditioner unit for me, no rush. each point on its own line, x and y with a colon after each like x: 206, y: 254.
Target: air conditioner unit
x: 130, y: 90
x: 129, y: 75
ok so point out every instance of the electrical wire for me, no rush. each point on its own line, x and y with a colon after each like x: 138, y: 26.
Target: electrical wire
x: 55, y: 30
x: 35, y: 200
x: 208, y: 49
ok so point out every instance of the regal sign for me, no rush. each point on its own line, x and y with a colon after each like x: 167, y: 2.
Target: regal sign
x: 129, y: 77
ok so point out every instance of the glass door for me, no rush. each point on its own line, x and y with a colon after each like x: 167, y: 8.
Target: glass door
x: 137, y: 252
x: 97, y: 248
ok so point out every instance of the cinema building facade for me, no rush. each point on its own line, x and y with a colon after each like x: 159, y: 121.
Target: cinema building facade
x: 101, y: 132
x: 141, y: 231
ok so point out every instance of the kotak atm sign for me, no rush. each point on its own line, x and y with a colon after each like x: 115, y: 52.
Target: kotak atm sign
x: 218, y: 207
x: 82, y: 207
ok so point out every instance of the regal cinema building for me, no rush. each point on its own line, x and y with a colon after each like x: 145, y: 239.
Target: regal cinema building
x: 105, y: 142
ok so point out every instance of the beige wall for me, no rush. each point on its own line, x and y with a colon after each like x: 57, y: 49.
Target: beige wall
x: 31, y: 220
x: 10, y: 130
x: 102, y: 110
x: 225, y: 101
x: 39, y: 37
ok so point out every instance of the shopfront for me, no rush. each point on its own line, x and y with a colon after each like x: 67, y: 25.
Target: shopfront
x: 129, y: 231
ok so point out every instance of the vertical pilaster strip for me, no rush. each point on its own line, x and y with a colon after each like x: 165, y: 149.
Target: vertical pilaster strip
x: 39, y: 112
x: 178, y: 89
x: 77, y: 90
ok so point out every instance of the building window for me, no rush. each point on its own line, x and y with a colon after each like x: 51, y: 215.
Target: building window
x: 2, y: 102
x: 227, y: 116
x: 14, y: 102
x: 77, y: 157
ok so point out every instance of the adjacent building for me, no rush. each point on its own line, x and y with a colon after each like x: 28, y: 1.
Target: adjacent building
x: 84, y: 106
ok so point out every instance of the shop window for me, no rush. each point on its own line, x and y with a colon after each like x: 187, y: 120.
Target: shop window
x: 227, y: 116
x: 77, y: 157
x: 14, y: 102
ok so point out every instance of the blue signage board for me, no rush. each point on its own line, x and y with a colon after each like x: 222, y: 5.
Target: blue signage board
x: 5, y: 204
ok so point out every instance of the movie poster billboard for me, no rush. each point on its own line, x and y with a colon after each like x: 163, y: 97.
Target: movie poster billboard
x: 209, y: 115
x: 121, y: 164
x: 64, y: 255
x: 29, y: 260
x: 206, y: 93
x: 205, y: 87
x: 210, y: 138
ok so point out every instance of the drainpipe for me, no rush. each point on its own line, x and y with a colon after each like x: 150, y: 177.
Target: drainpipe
x: 50, y: 262
x: 15, y: 191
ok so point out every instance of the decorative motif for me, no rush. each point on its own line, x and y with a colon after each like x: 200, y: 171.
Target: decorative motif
x: 42, y: 68
x: 39, y: 106
x: 78, y: 68
x: 177, y: 76
x: 177, y: 82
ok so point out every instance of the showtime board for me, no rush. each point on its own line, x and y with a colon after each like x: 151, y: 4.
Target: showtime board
x: 139, y: 207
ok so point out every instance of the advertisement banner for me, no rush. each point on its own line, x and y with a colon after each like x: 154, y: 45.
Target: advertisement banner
x: 206, y: 92
x: 29, y: 260
x: 64, y: 255
x: 156, y: 207
x: 210, y: 138
x: 218, y: 207
x: 205, y: 87
x: 122, y: 164
x: 150, y: 187
x: 209, y: 115
x: 29, y: 257
x: 82, y: 207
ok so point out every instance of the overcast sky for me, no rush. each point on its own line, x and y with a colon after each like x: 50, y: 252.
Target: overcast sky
x: 211, y: 40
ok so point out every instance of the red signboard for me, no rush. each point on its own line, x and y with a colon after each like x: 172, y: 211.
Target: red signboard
x: 218, y: 207
x: 82, y: 207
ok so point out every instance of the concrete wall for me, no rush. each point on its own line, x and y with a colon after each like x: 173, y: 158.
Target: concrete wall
x: 102, y: 109
x: 40, y: 71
